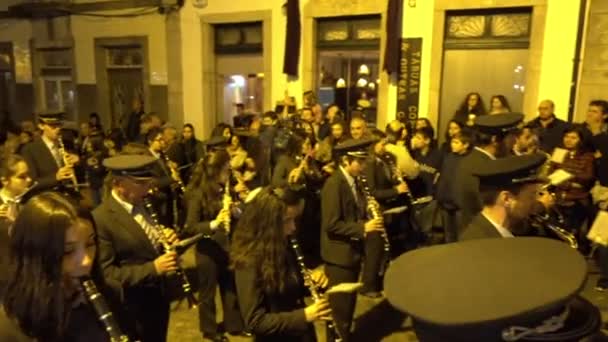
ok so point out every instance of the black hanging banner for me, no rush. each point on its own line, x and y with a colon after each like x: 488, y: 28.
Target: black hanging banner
x: 292, y: 38
x: 408, y: 79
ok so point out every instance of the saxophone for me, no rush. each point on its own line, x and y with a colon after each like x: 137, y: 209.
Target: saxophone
x: 315, y: 293
x: 373, y: 212
x: 103, y: 312
x: 564, y: 235
x: 64, y: 157
x: 181, y: 274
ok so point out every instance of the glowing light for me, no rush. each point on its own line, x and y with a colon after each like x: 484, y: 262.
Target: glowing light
x: 362, y: 82
x: 341, y: 83
x: 238, y: 81
x: 363, y: 70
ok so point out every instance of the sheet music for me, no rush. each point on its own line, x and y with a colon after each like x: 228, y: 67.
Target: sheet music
x: 344, y: 288
x: 599, y: 230
x: 559, y: 154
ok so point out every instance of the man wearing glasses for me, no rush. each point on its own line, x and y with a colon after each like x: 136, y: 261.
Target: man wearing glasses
x: 131, y: 254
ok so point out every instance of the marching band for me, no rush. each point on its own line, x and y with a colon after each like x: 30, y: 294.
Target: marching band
x: 293, y: 206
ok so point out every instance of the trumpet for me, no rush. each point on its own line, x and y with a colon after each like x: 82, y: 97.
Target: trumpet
x: 181, y: 274
x: 64, y: 157
x: 103, y: 312
x: 373, y: 212
x: 312, y: 287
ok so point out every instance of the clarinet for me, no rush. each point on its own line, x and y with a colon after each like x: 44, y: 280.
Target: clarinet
x: 64, y: 157
x: 373, y: 212
x: 175, y: 173
x: 181, y: 274
x: 103, y: 312
x: 312, y: 287
x: 227, y: 202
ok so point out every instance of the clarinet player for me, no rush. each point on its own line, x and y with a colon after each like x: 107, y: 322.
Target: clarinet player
x: 208, y: 213
x: 269, y: 284
x: 344, y: 227
x: 130, y: 248
x: 48, y: 163
x: 52, y: 247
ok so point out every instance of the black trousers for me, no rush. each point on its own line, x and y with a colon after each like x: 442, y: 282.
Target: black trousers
x: 213, y: 271
x: 342, y: 304
x: 148, y: 314
x: 375, y: 261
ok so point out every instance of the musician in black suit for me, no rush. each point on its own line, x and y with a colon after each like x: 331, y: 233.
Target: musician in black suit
x: 389, y: 192
x: 15, y: 182
x: 269, y: 280
x: 491, y: 130
x: 508, y: 189
x: 209, y: 214
x: 130, y: 251
x: 166, y: 178
x: 47, y: 164
x: 343, y: 227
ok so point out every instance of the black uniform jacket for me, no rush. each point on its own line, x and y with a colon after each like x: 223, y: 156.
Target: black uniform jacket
x: 341, y: 222
x: 41, y: 163
x: 274, y: 317
x: 466, y: 186
x: 125, y: 253
x: 479, y: 228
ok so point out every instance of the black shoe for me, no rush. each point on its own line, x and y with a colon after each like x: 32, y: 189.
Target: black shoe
x: 241, y: 334
x: 215, y: 338
x: 371, y: 294
x: 601, y: 285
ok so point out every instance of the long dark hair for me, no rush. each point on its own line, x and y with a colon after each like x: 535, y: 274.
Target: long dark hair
x: 35, y: 296
x: 205, y: 181
x: 193, y: 139
x: 258, y: 240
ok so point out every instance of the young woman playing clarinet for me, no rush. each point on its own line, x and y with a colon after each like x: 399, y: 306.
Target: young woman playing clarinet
x: 269, y: 276
x: 51, y: 254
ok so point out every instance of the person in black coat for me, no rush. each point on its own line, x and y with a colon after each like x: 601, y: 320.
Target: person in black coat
x: 269, y: 281
x: 389, y: 191
x: 130, y: 248
x: 52, y: 248
x: 509, y: 188
x: 44, y: 157
x: 209, y: 213
x: 460, y: 145
x: 167, y: 176
x: 490, y: 132
x: 344, y: 227
x: 548, y: 127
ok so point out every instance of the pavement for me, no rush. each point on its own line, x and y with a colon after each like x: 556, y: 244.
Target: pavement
x: 375, y: 320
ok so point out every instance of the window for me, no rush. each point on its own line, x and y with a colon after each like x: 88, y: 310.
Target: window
x: 56, y: 78
x: 507, y: 28
x: 348, y: 63
x: 58, y: 94
x: 238, y: 38
x: 239, y: 69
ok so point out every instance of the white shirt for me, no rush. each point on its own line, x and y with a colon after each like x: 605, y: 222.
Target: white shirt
x: 485, y: 152
x: 128, y: 206
x: 504, y: 232
x: 149, y: 229
x: 154, y: 154
x: 54, y: 148
x: 351, y: 183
